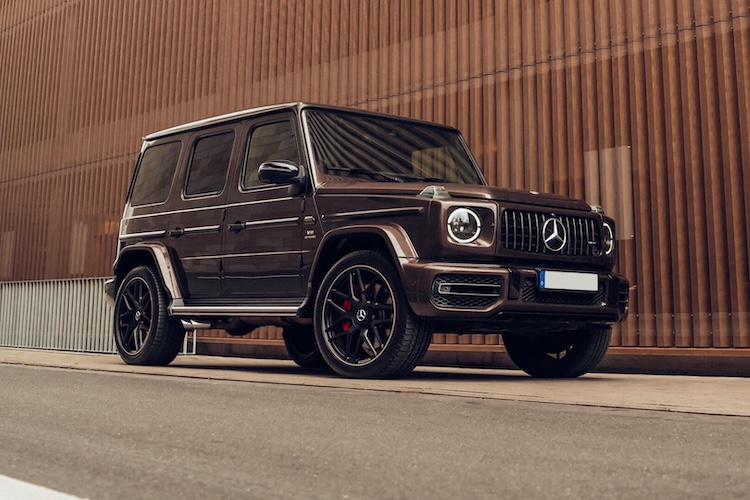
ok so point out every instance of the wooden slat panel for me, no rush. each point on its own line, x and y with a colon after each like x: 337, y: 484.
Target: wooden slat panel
x: 646, y: 270
x: 712, y: 175
x: 740, y: 25
x: 544, y: 97
x: 734, y: 198
x: 559, y: 91
x: 674, y: 184
x: 488, y: 140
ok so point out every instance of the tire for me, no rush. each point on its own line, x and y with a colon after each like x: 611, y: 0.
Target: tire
x: 145, y: 334
x: 364, y: 326
x: 302, y: 348
x: 563, y: 355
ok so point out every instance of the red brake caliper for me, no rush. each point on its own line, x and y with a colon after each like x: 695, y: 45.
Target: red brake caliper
x: 347, y: 307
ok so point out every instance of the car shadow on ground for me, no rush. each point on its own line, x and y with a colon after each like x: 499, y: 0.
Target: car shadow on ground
x: 426, y: 373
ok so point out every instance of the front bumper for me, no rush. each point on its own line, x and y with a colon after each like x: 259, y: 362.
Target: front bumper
x: 488, y: 297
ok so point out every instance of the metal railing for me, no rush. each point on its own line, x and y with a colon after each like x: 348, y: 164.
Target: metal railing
x: 65, y: 315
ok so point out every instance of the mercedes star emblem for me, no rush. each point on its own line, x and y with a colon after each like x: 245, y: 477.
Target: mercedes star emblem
x: 553, y: 232
x: 361, y: 315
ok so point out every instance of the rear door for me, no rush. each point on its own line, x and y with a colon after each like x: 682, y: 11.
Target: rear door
x: 197, y: 218
x: 264, y: 223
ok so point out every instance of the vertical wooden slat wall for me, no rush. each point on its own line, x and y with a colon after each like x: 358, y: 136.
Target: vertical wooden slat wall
x: 640, y: 106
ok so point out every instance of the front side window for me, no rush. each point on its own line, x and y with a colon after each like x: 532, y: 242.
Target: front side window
x: 208, y: 164
x: 274, y: 141
x: 155, y: 173
x: 388, y: 150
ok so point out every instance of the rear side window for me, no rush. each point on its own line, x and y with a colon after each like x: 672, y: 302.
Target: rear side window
x: 209, y: 164
x: 155, y: 173
x: 274, y: 141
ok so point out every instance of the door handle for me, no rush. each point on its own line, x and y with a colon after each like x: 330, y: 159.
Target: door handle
x: 176, y: 233
x: 236, y: 227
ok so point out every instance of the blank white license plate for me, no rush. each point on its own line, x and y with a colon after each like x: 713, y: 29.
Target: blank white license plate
x: 569, y: 281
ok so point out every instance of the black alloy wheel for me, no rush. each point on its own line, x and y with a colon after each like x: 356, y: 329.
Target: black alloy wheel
x: 144, y: 332
x: 560, y: 355
x: 363, y: 324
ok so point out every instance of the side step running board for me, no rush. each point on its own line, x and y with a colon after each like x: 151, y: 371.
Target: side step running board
x: 232, y: 311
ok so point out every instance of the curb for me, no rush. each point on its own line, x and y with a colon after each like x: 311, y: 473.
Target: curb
x: 711, y: 362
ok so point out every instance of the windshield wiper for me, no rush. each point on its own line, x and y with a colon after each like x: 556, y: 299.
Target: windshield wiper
x: 393, y: 176
x: 413, y: 177
x: 389, y: 176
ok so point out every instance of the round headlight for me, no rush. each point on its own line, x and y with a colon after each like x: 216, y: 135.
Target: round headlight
x: 609, y: 238
x: 464, y: 225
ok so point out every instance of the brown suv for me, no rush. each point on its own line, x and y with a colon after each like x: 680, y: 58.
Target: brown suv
x: 360, y: 234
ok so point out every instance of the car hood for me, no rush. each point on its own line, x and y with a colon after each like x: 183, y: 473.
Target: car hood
x: 456, y: 191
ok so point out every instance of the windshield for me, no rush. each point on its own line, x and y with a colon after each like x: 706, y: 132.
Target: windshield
x: 388, y: 150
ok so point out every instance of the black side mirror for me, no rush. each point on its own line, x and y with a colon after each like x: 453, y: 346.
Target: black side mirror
x: 278, y: 172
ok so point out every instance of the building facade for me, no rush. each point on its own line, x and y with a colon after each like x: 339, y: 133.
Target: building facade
x: 642, y: 107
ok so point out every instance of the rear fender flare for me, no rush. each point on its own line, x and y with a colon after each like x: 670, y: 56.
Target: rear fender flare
x: 162, y: 260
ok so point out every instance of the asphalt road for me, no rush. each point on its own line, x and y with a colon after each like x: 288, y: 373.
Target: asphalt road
x: 120, y: 435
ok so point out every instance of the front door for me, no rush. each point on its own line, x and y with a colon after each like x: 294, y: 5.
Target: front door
x: 264, y: 223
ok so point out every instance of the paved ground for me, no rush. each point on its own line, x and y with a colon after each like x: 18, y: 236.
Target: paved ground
x: 703, y: 395
x: 90, y: 426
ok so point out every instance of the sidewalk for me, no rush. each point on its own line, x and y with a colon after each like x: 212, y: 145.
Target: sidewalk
x: 671, y: 393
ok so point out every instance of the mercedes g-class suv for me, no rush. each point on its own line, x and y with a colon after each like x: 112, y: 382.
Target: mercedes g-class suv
x: 360, y: 234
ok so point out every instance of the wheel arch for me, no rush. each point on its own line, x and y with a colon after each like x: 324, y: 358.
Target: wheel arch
x: 389, y: 240
x: 148, y: 254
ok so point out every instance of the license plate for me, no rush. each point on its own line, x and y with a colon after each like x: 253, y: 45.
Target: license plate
x: 568, y: 281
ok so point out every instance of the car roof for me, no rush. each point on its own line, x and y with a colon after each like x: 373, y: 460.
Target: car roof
x: 238, y: 115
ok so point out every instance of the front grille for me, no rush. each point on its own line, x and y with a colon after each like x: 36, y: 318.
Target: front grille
x: 522, y: 231
x: 531, y: 293
x: 466, y: 291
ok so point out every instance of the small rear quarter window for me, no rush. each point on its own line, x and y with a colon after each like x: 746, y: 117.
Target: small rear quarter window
x: 155, y: 174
